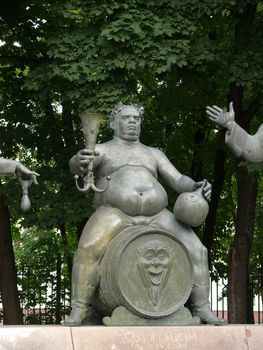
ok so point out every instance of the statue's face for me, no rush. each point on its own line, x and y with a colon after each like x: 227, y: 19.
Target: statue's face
x: 155, y: 263
x: 155, y: 260
x: 127, y: 125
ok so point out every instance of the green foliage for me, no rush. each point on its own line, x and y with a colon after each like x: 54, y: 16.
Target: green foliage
x: 101, y: 48
x: 43, y: 278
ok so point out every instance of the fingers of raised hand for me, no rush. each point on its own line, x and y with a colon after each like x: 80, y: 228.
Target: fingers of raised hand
x: 214, y: 115
x: 213, y: 111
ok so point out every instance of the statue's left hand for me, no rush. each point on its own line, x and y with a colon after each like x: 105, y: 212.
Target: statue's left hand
x: 26, y: 174
x: 207, y: 188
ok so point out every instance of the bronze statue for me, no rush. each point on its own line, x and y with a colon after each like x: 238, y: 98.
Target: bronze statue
x: 25, y: 176
x: 127, y: 172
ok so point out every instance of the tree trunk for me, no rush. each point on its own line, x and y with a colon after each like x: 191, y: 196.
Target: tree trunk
x: 197, y: 164
x: 8, y: 278
x: 218, y: 176
x: 240, y: 249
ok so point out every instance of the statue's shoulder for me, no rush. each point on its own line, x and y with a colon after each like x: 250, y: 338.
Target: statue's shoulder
x: 156, y: 152
x: 144, y: 148
x: 103, y: 147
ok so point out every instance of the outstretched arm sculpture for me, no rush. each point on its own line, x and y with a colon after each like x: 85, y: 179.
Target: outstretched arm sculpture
x: 250, y: 147
x: 128, y: 171
x: 26, y: 178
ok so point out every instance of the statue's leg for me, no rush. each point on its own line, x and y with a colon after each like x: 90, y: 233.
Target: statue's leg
x: 102, y: 226
x: 198, y: 252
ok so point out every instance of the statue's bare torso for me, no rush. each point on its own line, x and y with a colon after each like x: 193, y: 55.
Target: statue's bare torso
x: 133, y: 186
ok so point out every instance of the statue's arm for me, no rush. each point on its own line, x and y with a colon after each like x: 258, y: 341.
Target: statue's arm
x: 12, y: 167
x: 178, y: 182
x: 79, y: 162
x: 8, y: 166
x: 242, y: 144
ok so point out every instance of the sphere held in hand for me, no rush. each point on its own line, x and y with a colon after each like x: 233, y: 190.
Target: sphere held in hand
x: 191, y: 208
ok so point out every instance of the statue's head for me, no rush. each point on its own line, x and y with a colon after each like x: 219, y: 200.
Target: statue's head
x: 125, y: 120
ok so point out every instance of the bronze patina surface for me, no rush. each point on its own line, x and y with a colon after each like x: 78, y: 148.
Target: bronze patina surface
x: 148, y: 277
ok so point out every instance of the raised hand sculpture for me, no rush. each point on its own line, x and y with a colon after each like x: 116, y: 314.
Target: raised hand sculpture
x: 250, y: 147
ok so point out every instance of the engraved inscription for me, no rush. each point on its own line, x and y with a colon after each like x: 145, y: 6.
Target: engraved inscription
x: 158, y: 340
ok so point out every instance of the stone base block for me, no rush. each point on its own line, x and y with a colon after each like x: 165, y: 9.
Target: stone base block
x: 231, y: 337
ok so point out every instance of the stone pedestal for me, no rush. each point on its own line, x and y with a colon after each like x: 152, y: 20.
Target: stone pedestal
x: 231, y: 337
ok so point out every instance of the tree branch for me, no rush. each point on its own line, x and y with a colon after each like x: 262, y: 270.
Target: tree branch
x: 252, y: 109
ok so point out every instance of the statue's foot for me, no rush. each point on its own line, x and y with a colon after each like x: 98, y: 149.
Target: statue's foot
x: 207, y: 316
x: 76, y: 317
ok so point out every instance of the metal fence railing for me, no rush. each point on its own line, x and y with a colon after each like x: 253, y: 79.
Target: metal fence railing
x: 50, y: 302
x: 218, y: 299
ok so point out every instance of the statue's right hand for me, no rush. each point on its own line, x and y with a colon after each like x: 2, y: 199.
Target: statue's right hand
x: 85, y: 156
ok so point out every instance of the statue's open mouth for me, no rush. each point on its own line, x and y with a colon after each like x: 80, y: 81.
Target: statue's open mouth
x: 155, y: 270
x: 156, y: 276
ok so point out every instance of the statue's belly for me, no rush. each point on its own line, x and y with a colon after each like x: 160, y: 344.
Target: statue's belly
x: 134, y: 190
